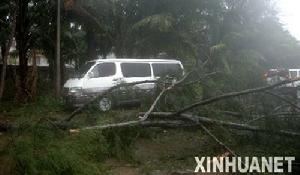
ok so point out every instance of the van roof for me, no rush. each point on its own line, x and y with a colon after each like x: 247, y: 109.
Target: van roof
x: 135, y: 60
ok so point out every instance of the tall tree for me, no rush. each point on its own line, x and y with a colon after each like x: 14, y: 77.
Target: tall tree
x: 22, y: 40
x: 8, y: 20
x: 58, y: 48
x: 30, y: 16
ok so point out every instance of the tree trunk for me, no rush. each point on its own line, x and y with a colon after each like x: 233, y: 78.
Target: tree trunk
x: 58, y: 56
x: 91, y: 44
x: 62, y: 70
x: 3, y: 70
x: 32, y: 79
x: 22, y: 37
x: 5, y: 54
x: 22, y: 92
x: 51, y: 72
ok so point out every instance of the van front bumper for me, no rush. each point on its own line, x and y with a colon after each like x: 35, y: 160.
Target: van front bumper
x: 76, y: 101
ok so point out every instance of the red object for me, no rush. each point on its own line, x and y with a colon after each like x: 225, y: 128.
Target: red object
x: 277, y: 72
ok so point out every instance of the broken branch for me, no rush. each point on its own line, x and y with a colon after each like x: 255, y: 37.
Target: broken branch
x: 233, y: 94
x: 283, y: 99
x: 188, y: 120
x: 146, y: 115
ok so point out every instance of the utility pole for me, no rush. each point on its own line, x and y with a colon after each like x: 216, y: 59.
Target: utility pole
x: 58, y: 75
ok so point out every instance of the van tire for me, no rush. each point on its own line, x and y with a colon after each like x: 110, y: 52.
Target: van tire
x: 105, y: 104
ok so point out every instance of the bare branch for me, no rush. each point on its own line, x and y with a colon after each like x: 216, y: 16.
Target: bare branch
x: 277, y: 115
x: 160, y: 95
x: 145, y: 116
x: 283, y: 99
x: 231, y: 113
x: 188, y: 120
x: 233, y: 94
x: 238, y: 126
x: 163, y: 124
x: 217, y: 140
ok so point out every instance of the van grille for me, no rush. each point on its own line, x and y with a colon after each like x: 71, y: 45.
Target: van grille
x: 65, y: 91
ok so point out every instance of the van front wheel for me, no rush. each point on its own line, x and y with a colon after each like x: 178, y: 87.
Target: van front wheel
x: 105, y: 104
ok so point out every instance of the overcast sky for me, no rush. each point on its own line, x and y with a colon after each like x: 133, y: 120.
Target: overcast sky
x: 290, y: 15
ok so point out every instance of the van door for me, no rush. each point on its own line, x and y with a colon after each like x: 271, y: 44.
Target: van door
x: 100, y: 78
x: 137, y: 72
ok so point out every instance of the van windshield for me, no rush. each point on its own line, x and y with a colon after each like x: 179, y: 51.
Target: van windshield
x: 83, y: 70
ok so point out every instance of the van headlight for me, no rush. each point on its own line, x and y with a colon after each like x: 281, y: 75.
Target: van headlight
x: 75, y: 91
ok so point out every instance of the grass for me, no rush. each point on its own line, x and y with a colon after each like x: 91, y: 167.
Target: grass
x: 43, y: 151
x: 36, y: 147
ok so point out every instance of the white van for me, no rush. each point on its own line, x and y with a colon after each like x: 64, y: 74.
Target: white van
x: 97, y: 76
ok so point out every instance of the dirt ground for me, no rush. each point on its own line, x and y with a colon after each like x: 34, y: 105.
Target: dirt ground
x: 171, y: 153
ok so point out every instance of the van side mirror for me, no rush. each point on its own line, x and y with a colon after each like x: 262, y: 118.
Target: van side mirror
x: 91, y: 75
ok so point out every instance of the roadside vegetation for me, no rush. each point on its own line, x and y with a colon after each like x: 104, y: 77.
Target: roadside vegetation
x: 39, y: 146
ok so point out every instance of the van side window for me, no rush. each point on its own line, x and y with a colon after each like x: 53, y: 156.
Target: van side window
x: 104, y: 70
x: 161, y: 69
x: 136, y: 69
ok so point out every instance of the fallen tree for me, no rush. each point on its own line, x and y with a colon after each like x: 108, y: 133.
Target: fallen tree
x: 168, y: 120
x: 200, y: 103
x: 182, y: 119
x: 234, y: 94
x: 173, y: 119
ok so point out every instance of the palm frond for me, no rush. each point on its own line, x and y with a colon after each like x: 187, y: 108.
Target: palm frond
x: 159, y: 22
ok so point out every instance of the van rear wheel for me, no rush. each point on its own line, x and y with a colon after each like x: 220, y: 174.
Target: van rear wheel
x: 105, y: 104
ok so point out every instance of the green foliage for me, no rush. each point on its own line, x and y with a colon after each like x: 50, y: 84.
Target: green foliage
x: 5, y: 20
x: 39, y: 147
x: 161, y: 22
x: 120, y: 142
x: 45, y: 106
x: 195, y: 31
x: 43, y: 149
x: 49, y: 152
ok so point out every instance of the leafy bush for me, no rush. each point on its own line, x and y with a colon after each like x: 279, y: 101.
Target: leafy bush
x: 42, y: 150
